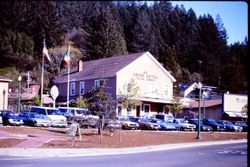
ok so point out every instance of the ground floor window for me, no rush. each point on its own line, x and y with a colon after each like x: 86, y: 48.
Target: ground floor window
x: 119, y: 110
x: 146, y: 109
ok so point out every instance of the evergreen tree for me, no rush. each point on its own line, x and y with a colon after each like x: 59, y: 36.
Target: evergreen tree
x: 104, y: 38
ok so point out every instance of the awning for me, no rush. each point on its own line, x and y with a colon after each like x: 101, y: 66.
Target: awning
x: 156, y: 100
x: 236, y: 114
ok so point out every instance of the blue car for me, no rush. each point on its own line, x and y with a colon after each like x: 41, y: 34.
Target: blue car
x: 214, y: 124
x: 11, y: 118
x: 243, y: 124
x: 230, y: 127
x: 202, y: 126
x: 165, y: 125
x: 34, y: 119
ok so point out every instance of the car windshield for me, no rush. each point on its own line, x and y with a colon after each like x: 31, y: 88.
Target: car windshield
x: 124, y: 119
x: 82, y: 112
x: 54, y: 112
x: 212, y: 121
x: 63, y: 110
x: 183, y: 121
x: 196, y: 122
x: 229, y: 123
x: 38, y: 116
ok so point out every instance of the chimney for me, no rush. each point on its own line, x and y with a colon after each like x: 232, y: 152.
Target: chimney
x: 80, y: 65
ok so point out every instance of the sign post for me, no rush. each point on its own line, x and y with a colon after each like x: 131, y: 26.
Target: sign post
x: 54, y: 94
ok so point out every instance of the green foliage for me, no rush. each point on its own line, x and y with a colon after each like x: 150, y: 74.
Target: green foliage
x: 129, y: 95
x: 36, y: 100
x: 176, y: 107
x: 81, y: 102
x: 245, y: 109
x: 100, y: 101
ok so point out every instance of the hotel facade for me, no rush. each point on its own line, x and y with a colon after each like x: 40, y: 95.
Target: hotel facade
x: 154, y: 82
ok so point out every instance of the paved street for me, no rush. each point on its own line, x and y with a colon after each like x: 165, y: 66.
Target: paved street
x: 221, y: 155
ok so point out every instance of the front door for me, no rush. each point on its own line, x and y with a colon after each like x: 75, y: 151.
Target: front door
x: 138, y: 111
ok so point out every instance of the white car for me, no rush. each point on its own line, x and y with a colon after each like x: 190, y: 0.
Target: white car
x: 54, y: 114
x: 183, y: 124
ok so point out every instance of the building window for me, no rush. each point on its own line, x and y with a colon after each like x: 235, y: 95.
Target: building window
x: 146, y: 109
x: 165, y: 90
x: 129, y: 87
x: 72, y: 89
x: 97, y: 83
x: 119, y: 110
x: 82, y: 88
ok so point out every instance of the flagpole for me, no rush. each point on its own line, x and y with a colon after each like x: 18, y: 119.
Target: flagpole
x: 42, y: 81
x: 68, y: 87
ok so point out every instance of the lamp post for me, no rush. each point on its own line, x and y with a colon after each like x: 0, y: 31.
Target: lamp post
x: 4, y: 92
x: 199, y: 86
x: 19, y: 92
x: 204, y: 96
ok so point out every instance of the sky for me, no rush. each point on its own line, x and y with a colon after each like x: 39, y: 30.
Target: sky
x: 234, y: 15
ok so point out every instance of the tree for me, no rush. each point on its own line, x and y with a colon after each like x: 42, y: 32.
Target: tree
x: 245, y: 109
x: 101, y: 103
x: 56, y: 66
x: 129, y: 95
x: 82, y: 102
x: 141, y: 32
x: 177, y: 106
x: 104, y: 38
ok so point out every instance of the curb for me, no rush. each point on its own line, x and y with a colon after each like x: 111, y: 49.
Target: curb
x: 44, y: 152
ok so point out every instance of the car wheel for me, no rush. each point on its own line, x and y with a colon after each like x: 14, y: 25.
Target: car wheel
x: 123, y: 127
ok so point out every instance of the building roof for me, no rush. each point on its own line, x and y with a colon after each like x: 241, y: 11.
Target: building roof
x: 4, y: 79
x: 106, y: 67
x: 208, y: 103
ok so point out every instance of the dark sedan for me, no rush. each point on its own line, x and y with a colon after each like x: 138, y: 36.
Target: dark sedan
x: 34, y: 119
x: 202, y: 126
x: 230, y: 126
x: 214, y: 124
x: 11, y: 118
x: 243, y: 124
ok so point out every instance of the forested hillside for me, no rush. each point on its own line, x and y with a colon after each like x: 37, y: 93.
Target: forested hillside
x: 191, y: 47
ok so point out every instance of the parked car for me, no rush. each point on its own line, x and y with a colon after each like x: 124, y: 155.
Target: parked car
x: 34, y: 119
x: 54, y: 114
x: 72, y: 112
x: 230, y: 126
x: 1, y: 119
x: 214, y: 124
x: 113, y: 124
x: 164, y: 117
x: 127, y: 124
x: 183, y: 124
x: 243, y: 124
x: 202, y: 126
x: 148, y: 124
x: 133, y: 119
x: 165, y: 125
x: 10, y: 117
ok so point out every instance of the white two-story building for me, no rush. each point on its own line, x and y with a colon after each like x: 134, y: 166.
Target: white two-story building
x: 155, y: 83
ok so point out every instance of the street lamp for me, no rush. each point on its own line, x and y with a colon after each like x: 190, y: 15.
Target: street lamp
x: 204, y: 96
x: 4, y: 92
x: 19, y: 92
x: 199, y: 86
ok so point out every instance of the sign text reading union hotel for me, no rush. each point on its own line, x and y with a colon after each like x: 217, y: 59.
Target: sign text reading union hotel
x: 145, y: 76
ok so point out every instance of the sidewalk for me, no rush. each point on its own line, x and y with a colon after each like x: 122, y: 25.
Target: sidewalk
x: 32, y: 141
x: 41, y: 153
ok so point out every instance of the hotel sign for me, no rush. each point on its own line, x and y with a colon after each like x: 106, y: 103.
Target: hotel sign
x: 145, y: 76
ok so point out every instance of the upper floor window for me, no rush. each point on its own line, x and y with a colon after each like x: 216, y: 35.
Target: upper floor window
x: 97, y: 83
x: 72, y: 89
x: 165, y: 90
x: 82, y: 88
